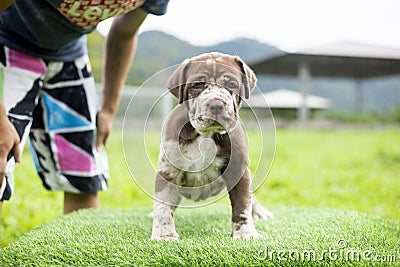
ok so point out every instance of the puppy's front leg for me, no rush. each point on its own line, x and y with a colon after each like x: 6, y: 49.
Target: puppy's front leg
x: 242, y: 220
x: 165, y: 200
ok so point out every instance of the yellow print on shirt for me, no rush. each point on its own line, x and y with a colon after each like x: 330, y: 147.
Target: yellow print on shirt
x: 88, y: 13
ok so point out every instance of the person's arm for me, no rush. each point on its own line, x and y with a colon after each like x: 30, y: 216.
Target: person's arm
x: 4, y: 4
x: 9, y: 142
x: 119, y: 52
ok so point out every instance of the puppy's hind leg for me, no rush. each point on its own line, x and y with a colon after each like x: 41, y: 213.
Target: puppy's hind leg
x: 166, y: 199
x: 258, y: 211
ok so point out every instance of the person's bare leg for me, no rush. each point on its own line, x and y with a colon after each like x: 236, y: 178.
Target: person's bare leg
x: 73, y: 202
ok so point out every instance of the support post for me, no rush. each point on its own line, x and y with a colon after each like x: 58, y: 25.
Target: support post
x: 358, y: 96
x: 304, y: 83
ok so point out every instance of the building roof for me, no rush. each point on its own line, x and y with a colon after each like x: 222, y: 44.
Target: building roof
x: 350, y: 49
x: 284, y: 98
x: 344, y: 59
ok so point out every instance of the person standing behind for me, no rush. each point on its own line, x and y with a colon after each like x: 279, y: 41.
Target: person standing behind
x: 48, y: 94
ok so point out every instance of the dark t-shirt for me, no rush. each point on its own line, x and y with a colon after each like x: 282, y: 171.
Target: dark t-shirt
x: 55, y: 29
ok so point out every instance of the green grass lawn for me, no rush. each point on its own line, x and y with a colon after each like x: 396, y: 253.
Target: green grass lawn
x: 306, y: 236
x: 344, y: 170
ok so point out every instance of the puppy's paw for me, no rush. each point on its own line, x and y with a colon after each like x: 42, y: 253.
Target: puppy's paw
x: 249, y: 235
x: 173, y: 236
x: 245, y: 231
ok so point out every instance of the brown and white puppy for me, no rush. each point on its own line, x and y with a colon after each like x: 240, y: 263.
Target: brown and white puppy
x: 204, y: 146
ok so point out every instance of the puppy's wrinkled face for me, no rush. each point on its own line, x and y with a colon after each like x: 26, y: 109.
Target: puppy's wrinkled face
x: 212, y: 86
x: 213, y: 98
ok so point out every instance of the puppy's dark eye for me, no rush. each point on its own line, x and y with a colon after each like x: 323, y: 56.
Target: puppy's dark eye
x: 232, y: 85
x: 198, y: 85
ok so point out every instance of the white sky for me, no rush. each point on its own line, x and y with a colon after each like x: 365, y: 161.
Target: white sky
x: 288, y: 24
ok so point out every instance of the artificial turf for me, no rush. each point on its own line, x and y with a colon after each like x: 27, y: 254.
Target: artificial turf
x: 296, y: 236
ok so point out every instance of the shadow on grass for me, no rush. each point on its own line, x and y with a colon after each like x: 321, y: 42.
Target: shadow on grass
x: 301, y: 236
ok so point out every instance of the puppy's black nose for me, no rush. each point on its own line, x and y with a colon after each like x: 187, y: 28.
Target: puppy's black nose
x: 216, y: 106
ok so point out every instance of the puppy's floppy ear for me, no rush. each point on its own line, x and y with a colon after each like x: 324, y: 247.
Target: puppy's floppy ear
x: 249, y: 78
x: 176, y: 83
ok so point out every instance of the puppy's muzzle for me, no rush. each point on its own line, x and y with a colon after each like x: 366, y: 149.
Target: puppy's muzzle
x: 216, y: 106
x: 213, y: 111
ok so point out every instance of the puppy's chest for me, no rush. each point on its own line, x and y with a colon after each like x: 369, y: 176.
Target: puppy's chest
x: 194, y: 166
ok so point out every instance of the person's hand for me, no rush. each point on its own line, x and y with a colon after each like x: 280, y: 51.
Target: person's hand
x: 104, y: 126
x: 9, y: 141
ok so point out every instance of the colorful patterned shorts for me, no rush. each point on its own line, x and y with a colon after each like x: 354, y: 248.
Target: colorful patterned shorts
x: 53, y: 104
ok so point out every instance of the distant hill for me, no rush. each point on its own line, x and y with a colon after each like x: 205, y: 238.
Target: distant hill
x: 249, y: 50
x: 158, y: 50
